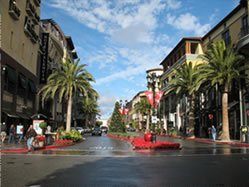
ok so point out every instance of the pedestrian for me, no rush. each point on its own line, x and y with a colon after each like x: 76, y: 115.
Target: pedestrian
x: 19, y: 131
x: 12, y: 132
x: 30, y: 135
x: 3, y: 132
x: 213, y: 131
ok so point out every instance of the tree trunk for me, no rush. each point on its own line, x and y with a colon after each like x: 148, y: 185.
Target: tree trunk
x: 225, y: 119
x: 69, y: 113
x: 191, y: 125
x: 148, y: 123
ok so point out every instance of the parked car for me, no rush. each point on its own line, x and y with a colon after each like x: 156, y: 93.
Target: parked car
x: 104, y: 129
x: 96, y: 131
x: 130, y: 129
x: 79, y: 129
x: 87, y: 130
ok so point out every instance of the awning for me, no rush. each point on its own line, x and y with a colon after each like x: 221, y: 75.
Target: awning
x: 23, y: 115
x: 11, y: 115
x: 39, y: 116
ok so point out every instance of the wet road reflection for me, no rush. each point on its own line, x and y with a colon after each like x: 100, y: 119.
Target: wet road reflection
x: 107, y: 147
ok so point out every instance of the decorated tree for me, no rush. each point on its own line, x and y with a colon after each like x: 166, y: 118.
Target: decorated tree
x: 117, y: 123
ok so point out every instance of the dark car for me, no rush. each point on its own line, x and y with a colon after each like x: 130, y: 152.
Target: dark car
x: 104, y: 129
x: 96, y: 131
x: 130, y: 129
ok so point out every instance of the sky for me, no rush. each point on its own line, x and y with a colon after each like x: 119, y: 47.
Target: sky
x: 120, y: 39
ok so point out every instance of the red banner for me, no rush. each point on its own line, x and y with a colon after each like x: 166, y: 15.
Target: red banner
x: 123, y: 111
x: 149, y: 95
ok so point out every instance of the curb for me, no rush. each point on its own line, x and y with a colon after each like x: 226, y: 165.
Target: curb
x: 25, y: 150
x: 209, y: 141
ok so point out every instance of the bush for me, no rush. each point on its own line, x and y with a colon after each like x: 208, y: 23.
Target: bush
x: 43, y: 125
x: 72, y: 135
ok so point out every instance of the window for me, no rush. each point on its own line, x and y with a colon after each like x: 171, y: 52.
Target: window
x: 226, y: 37
x: 244, y: 26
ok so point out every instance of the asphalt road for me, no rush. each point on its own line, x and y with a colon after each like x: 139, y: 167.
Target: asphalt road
x: 101, y: 161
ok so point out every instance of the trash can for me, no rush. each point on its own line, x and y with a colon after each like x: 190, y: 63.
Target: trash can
x: 153, y: 137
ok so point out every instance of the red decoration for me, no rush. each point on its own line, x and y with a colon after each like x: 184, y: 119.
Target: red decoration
x: 149, y: 95
x: 148, y: 137
x: 40, y: 138
x: 210, y: 116
x: 123, y: 111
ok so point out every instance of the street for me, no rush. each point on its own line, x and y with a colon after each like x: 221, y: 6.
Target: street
x: 101, y: 161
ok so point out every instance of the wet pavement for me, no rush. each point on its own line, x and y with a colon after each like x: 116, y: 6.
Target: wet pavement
x: 102, y: 161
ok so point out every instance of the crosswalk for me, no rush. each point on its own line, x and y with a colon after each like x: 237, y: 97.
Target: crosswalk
x: 101, y: 148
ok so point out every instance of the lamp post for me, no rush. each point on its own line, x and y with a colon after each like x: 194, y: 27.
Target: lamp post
x: 152, y: 80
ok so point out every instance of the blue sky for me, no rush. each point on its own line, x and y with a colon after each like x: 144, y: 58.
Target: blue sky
x: 120, y: 39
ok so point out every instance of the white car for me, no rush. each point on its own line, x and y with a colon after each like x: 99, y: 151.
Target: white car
x: 79, y: 129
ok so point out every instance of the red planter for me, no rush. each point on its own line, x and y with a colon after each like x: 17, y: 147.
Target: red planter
x: 148, y: 137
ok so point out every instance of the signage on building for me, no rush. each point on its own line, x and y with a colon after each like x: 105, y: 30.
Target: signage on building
x: 44, y: 58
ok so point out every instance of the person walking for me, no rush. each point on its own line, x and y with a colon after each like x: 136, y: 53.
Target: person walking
x: 30, y: 135
x: 213, y: 131
x: 19, y: 131
x: 3, y: 132
x: 12, y: 132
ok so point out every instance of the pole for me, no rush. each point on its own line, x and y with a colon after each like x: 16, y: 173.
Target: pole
x: 1, y: 91
x: 241, y: 108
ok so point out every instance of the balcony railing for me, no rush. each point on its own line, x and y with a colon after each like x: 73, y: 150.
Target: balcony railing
x: 37, y: 2
x: 30, y: 31
x: 14, y: 11
x: 36, y: 18
x: 30, y: 9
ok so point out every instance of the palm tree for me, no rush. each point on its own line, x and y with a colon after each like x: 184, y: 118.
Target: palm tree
x: 64, y: 83
x: 144, y: 107
x: 186, y: 83
x: 89, y: 107
x: 223, y: 67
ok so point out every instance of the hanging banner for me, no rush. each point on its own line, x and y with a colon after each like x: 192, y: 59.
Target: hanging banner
x: 44, y: 58
x: 120, y: 111
x: 158, y: 97
x: 149, y: 95
x: 125, y: 111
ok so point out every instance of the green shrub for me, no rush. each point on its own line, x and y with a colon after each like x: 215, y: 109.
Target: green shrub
x: 72, y: 135
x: 43, y: 125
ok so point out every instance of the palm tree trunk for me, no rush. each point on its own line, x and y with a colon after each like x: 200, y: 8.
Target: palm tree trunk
x: 191, y: 124
x: 148, y: 123
x: 69, y: 113
x: 225, y: 119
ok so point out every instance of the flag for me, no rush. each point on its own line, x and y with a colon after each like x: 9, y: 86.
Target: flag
x: 158, y: 95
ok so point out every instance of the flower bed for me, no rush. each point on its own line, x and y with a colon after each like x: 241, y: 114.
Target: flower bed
x: 63, y: 142
x: 140, y: 143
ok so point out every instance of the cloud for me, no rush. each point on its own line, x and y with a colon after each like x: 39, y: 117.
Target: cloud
x: 187, y: 22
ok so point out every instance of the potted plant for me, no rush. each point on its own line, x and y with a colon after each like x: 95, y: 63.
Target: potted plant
x: 43, y: 126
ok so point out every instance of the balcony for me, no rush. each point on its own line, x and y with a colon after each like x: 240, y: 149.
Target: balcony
x: 30, y: 9
x: 36, y: 18
x: 243, y: 43
x: 30, y: 32
x: 182, y: 60
x: 14, y: 11
x: 37, y: 2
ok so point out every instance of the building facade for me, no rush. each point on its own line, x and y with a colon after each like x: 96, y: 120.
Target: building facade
x: 55, y: 48
x: 19, y: 44
x: 233, y: 29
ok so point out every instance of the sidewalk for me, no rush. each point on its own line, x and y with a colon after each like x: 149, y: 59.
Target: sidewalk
x: 204, y: 140
x: 22, y: 147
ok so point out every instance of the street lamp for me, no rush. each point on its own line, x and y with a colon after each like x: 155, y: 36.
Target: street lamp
x: 152, y: 80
